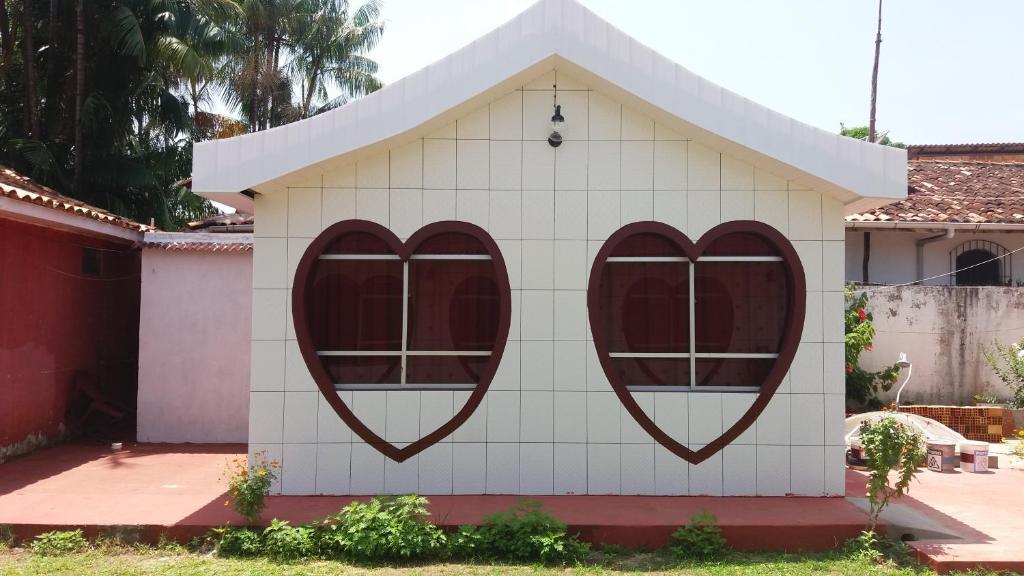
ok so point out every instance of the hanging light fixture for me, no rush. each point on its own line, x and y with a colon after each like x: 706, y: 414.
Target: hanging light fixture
x: 557, y: 123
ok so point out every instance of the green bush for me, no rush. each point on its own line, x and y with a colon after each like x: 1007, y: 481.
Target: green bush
x: 866, y: 547
x: 701, y: 539
x: 385, y: 528
x: 59, y: 543
x: 522, y: 534
x: 889, y: 445
x: 281, y: 541
x: 1007, y: 361
x: 237, y: 542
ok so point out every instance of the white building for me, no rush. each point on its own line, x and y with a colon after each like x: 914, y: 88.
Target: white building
x: 444, y: 302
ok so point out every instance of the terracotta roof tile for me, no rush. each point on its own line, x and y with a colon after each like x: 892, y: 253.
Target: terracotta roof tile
x: 19, y: 187
x: 198, y: 241
x: 956, y: 192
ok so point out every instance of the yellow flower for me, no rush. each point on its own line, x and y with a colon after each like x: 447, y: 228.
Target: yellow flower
x: 262, y: 472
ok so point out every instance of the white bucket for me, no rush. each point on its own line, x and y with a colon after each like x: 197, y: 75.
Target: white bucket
x: 973, y: 456
x: 941, y: 456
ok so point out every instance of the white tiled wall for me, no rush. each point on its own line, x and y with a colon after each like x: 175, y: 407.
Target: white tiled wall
x: 550, y: 423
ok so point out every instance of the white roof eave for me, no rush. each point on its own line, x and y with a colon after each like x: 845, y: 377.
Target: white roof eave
x: 560, y: 33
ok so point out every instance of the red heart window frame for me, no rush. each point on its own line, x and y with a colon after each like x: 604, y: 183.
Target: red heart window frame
x: 404, y: 250
x: 796, y: 309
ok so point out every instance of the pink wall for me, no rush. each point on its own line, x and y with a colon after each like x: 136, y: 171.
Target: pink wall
x: 194, y: 342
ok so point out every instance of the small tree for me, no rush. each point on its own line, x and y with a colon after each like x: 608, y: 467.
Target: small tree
x: 863, y: 386
x: 861, y: 133
x: 888, y: 445
x: 1007, y: 361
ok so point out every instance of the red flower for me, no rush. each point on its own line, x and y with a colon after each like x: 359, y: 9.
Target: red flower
x: 849, y: 369
x: 868, y: 348
x: 862, y: 314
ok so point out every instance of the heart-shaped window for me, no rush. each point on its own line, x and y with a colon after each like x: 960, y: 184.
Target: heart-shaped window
x: 381, y: 314
x: 712, y: 321
x: 723, y: 314
x: 374, y: 313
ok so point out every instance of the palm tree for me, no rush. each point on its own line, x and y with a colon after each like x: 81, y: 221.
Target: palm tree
x: 330, y: 48
x: 289, y: 54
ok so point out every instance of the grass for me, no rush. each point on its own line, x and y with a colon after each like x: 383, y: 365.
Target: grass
x: 139, y: 561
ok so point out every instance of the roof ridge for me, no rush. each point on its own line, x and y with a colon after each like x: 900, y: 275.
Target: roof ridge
x: 936, y: 161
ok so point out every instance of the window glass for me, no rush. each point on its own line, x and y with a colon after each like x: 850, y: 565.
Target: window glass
x: 741, y: 307
x: 740, y: 304
x: 740, y: 244
x: 358, y: 243
x: 732, y: 371
x: 647, y: 245
x: 452, y: 310
x: 364, y: 369
x: 356, y: 305
x: 453, y: 305
x: 652, y: 371
x: 445, y: 369
x: 648, y: 306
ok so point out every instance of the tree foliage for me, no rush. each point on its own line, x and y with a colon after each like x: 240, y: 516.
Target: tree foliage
x: 862, y: 386
x: 861, y: 133
x: 103, y: 99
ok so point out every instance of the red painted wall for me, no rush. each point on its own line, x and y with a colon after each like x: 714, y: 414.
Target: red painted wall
x: 56, y: 320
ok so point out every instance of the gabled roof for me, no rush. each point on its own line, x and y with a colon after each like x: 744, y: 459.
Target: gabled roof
x: 564, y: 35
x: 19, y: 188
x: 946, y: 193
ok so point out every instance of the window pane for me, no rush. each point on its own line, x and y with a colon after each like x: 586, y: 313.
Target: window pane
x: 356, y: 305
x: 732, y: 371
x: 646, y: 306
x: 451, y: 243
x: 364, y: 369
x: 444, y: 369
x: 740, y: 306
x: 453, y: 305
x: 740, y: 244
x: 647, y: 245
x: 652, y: 371
x: 358, y: 243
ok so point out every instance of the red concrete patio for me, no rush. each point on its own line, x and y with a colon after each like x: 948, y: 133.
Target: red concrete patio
x: 179, y: 490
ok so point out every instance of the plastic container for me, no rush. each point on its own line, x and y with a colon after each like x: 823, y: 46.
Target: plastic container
x: 973, y: 456
x: 941, y: 456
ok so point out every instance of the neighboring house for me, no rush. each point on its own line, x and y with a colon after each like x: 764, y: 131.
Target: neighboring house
x: 456, y: 292
x: 964, y: 211
x: 69, y: 313
x: 194, y: 332
x: 959, y: 230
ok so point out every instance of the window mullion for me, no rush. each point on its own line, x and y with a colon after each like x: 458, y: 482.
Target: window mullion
x: 405, y: 317
x: 693, y: 327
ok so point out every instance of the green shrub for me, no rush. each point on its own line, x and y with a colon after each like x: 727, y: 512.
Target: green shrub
x: 701, y: 539
x: 522, y: 534
x: 282, y: 541
x: 59, y: 543
x: 1007, y: 361
x: 237, y: 542
x: 866, y: 547
x: 385, y: 528
x: 888, y: 445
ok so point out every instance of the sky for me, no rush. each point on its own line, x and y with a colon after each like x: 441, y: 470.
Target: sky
x: 950, y: 70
